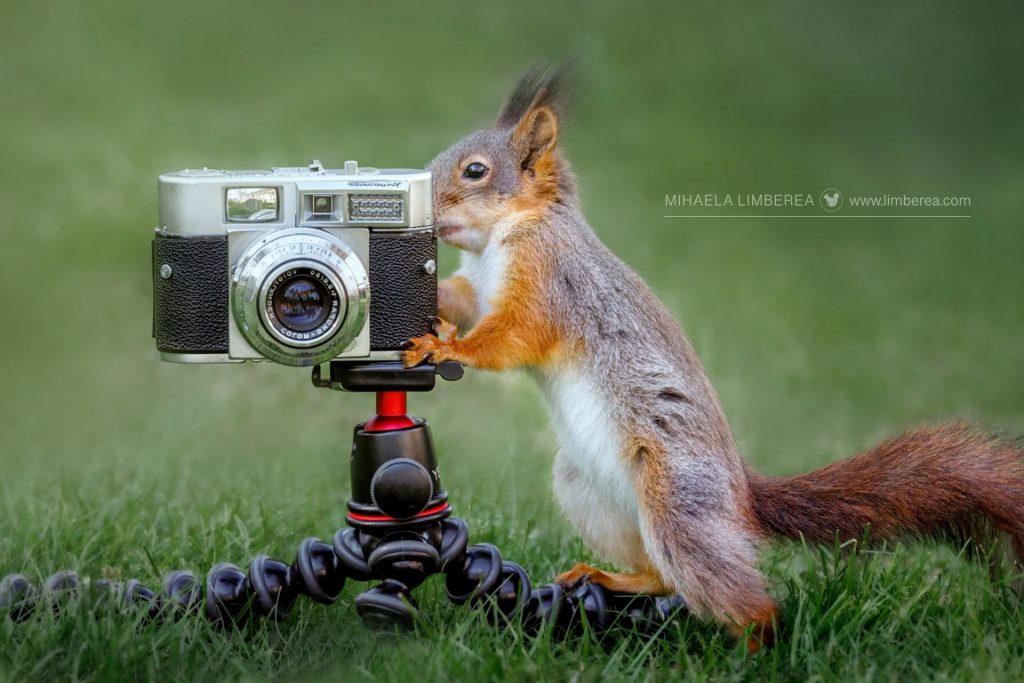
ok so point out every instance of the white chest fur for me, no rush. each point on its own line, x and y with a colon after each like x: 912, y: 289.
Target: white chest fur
x: 486, y: 272
x: 592, y: 481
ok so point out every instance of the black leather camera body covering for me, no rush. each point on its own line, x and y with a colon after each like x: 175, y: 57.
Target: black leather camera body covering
x: 190, y: 304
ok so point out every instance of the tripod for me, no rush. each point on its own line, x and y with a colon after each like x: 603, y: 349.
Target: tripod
x: 400, y: 531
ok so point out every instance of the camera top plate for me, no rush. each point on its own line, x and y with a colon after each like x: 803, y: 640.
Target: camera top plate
x: 206, y: 201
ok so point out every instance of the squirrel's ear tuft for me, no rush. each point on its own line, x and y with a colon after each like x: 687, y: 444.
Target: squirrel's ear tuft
x: 543, y: 86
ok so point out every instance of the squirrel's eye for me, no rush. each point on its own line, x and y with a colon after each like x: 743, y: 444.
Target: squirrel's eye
x: 475, y: 171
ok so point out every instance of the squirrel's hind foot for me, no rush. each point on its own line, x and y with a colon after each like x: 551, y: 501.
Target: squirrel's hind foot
x: 639, y: 583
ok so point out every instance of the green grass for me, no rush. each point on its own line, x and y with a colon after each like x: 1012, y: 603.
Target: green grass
x: 821, y: 336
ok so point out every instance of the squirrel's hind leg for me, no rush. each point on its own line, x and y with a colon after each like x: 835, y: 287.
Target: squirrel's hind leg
x: 700, y: 550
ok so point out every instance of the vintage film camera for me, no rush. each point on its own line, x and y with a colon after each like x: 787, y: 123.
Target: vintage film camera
x: 297, y: 265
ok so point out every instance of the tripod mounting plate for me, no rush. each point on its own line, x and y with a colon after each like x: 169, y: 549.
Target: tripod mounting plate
x: 383, y: 375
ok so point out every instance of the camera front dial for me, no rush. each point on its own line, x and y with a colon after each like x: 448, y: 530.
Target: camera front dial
x: 300, y: 296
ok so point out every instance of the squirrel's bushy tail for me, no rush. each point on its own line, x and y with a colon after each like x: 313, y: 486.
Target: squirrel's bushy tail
x: 950, y: 481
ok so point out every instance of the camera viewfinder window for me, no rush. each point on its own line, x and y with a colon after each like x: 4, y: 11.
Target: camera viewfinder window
x: 252, y: 204
x: 323, y: 204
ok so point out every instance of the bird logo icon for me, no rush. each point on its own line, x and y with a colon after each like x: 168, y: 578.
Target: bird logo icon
x: 831, y: 200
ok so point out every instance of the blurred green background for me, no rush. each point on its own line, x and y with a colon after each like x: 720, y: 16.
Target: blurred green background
x: 821, y: 336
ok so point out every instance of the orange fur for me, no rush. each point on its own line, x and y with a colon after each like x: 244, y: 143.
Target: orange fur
x: 761, y: 622
x: 930, y: 481
x: 517, y: 332
x: 645, y: 582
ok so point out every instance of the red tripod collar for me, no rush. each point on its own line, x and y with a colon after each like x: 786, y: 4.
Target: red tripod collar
x: 391, y: 406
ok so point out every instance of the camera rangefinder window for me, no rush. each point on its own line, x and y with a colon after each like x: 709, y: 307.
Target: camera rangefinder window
x: 383, y: 208
x: 252, y: 204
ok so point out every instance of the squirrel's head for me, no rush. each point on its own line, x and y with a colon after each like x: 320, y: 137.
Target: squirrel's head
x: 513, y: 168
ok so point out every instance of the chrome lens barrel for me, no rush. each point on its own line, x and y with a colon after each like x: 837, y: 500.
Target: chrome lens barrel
x: 300, y: 296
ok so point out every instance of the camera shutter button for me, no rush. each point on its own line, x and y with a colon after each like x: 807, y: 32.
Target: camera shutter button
x: 401, y: 488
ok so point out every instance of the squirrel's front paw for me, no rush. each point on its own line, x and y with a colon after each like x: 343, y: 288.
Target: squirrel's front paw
x: 429, y: 347
x: 435, y: 347
x: 420, y: 349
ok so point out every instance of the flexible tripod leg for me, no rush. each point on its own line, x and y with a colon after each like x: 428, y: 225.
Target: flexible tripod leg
x: 475, y: 575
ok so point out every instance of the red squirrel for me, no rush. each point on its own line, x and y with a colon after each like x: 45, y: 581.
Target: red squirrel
x: 647, y: 470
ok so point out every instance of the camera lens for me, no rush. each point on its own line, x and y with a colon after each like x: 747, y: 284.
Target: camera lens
x: 300, y: 296
x: 301, y: 303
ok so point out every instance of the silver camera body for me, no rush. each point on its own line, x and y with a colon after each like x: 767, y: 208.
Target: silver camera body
x: 285, y: 264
